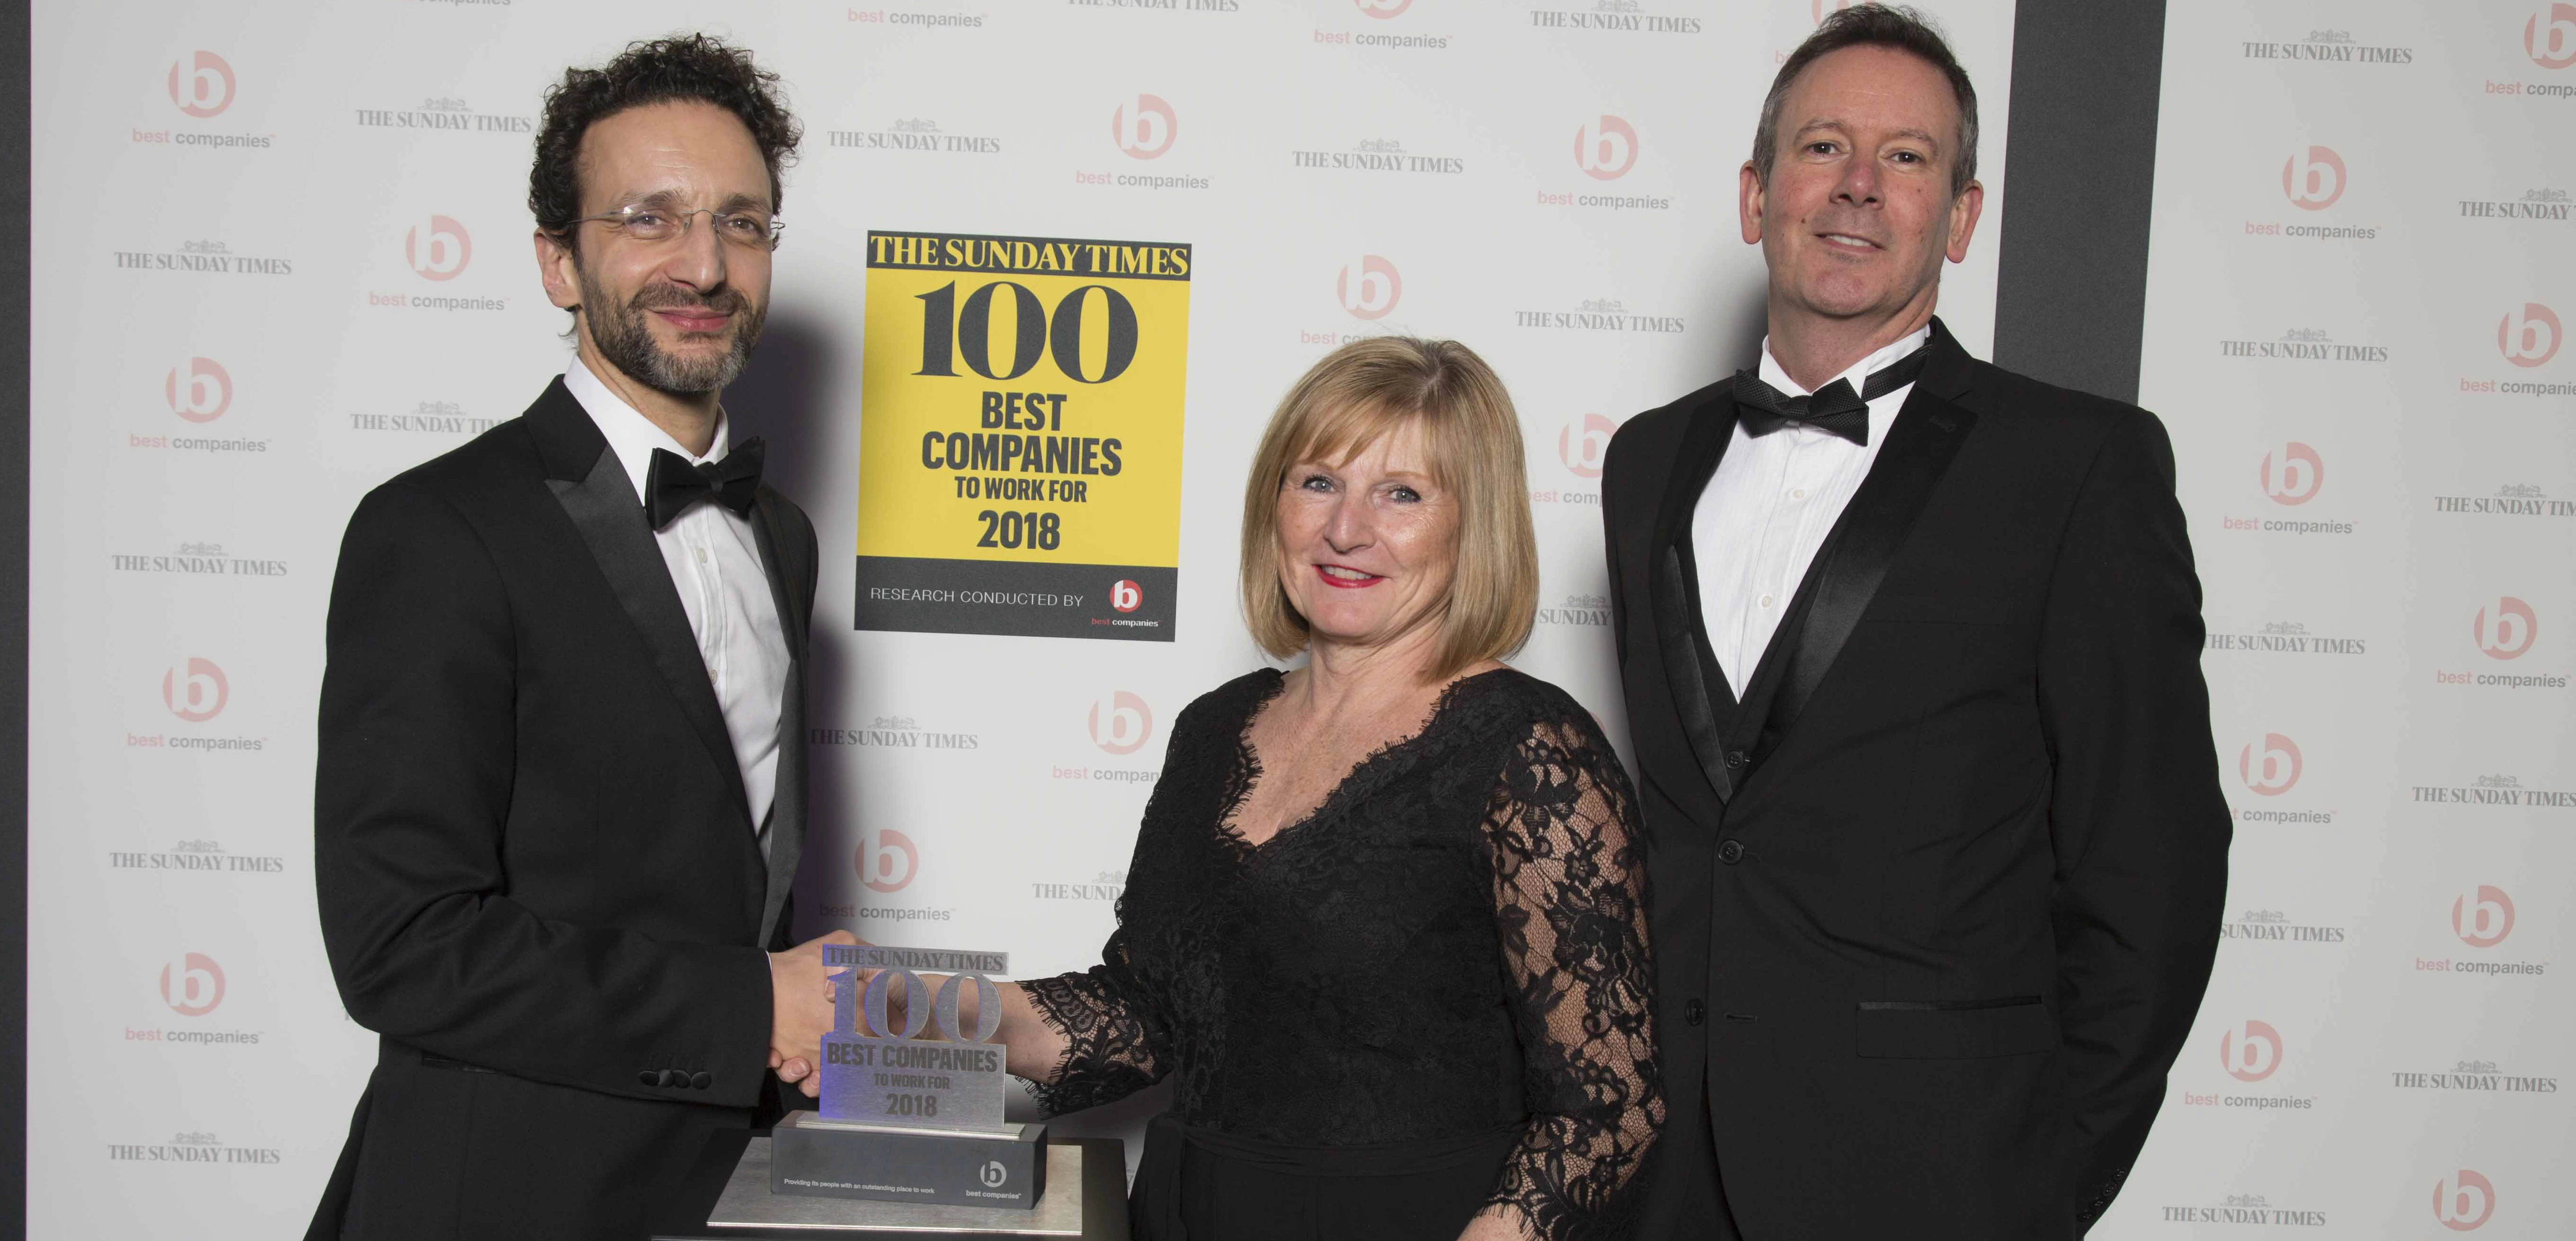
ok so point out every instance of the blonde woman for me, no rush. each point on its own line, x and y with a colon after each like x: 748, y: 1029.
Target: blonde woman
x: 1386, y: 921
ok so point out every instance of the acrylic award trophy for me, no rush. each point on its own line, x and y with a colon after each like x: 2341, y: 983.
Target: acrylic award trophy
x: 915, y: 1114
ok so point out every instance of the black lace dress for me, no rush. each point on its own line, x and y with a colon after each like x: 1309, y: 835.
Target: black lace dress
x: 1429, y: 996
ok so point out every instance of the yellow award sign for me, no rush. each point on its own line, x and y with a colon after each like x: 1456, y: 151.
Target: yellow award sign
x: 1020, y: 435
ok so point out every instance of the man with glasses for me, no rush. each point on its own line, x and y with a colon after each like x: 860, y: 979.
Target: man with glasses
x: 560, y: 792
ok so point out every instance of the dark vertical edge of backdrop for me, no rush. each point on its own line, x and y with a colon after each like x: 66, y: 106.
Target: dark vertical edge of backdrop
x: 13, y: 638
x: 2071, y: 284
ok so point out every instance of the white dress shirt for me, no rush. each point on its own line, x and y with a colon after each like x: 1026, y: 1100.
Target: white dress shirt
x: 1770, y: 505
x: 714, y: 561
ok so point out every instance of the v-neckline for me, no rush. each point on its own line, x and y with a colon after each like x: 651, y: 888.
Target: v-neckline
x: 1247, y: 771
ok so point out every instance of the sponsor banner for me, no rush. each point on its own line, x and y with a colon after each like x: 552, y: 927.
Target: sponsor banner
x: 1020, y: 459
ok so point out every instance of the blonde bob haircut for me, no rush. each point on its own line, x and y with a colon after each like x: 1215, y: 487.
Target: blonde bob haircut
x: 1347, y: 402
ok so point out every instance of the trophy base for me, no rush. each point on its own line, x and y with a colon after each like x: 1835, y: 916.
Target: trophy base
x: 815, y: 1157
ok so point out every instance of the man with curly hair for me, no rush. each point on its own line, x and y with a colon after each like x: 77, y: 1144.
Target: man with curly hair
x: 559, y: 792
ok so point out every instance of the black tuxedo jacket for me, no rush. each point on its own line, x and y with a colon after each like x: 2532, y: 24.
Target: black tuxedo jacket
x: 537, y: 873
x: 1935, y: 894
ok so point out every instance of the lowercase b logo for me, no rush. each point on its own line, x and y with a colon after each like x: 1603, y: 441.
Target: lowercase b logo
x: 1126, y: 596
x: 439, y: 249
x: 1368, y: 287
x: 2292, y: 473
x: 2483, y: 920
x: 2550, y: 37
x: 1120, y: 723
x: 1605, y: 148
x: 206, y: 86
x: 1583, y: 452
x: 2511, y: 631
x: 1144, y: 127
x: 2313, y: 180
x: 887, y: 861
x: 2463, y: 1200
x: 2528, y: 337
x: 195, y: 693
x: 2251, y: 1051
x: 199, y: 391
x: 192, y: 985
x: 2271, y: 771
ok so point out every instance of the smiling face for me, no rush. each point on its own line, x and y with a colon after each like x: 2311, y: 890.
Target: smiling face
x: 679, y: 315
x: 1367, y: 547
x: 1857, y: 212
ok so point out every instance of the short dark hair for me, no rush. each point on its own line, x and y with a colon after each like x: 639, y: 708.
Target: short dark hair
x: 1875, y: 25
x: 681, y: 68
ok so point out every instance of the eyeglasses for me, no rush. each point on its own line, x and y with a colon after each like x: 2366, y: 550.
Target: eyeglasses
x: 649, y: 224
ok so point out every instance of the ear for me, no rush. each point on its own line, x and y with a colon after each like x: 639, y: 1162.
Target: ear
x: 1963, y: 220
x: 559, y: 271
x: 1748, y: 205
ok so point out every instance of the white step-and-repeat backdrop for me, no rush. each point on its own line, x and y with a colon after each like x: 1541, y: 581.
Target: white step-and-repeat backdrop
x: 283, y: 254
x: 2361, y: 256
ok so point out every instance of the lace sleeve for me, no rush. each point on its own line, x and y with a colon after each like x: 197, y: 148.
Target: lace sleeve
x: 1111, y: 1047
x: 1570, y: 899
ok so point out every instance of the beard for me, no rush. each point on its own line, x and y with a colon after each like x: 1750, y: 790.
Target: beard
x: 625, y: 339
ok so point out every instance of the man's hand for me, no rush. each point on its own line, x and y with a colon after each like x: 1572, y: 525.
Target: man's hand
x: 800, y: 999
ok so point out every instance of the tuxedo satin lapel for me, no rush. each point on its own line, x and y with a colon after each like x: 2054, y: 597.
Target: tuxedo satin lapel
x: 604, y: 508
x: 787, y: 803
x: 1697, y: 683
x: 1920, y: 446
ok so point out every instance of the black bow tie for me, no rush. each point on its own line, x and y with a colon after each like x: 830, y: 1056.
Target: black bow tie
x: 671, y: 484
x: 1833, y: 409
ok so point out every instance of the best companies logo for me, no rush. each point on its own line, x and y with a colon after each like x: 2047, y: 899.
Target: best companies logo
x: 2511, y: 633
x: 2529, y: 336
x: 199, y: 390
x: 2315, y: 179
x: 2463, y: 1200
x: 199, y: 694
x: 1368, y: 287
x: 2274, y: 769
x: 1145, y: 127
x: 2293, y: 473
x: 887, y: 860
x: 2482, y: 918
x: 2250, y: 1052
x: 438, y: 249
x: 205, y: 88
x: 2549, y: 37
x: 1605, y: 148
x: 192, y: 985
x: 1584, y: 443
x: 1120, y: 723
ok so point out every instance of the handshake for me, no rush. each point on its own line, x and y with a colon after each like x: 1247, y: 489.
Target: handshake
x: 800, y: 1010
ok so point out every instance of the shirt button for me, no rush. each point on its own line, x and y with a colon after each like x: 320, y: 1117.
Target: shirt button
x: 1799, y: 494
x: 1766, y: 601
x: 702, y: 555
x: 1694, y: 1012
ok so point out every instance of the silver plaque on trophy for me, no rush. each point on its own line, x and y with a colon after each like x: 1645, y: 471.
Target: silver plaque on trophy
x: 911, y: 1105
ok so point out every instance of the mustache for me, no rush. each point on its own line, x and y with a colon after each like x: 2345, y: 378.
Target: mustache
x: 723, y: 301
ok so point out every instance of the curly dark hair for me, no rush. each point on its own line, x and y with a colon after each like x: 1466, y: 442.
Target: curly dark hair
x: 687, y: 67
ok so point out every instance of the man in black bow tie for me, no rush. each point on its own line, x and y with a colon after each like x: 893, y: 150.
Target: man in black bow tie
x: 1911, y: 654
x: 561, y: 787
